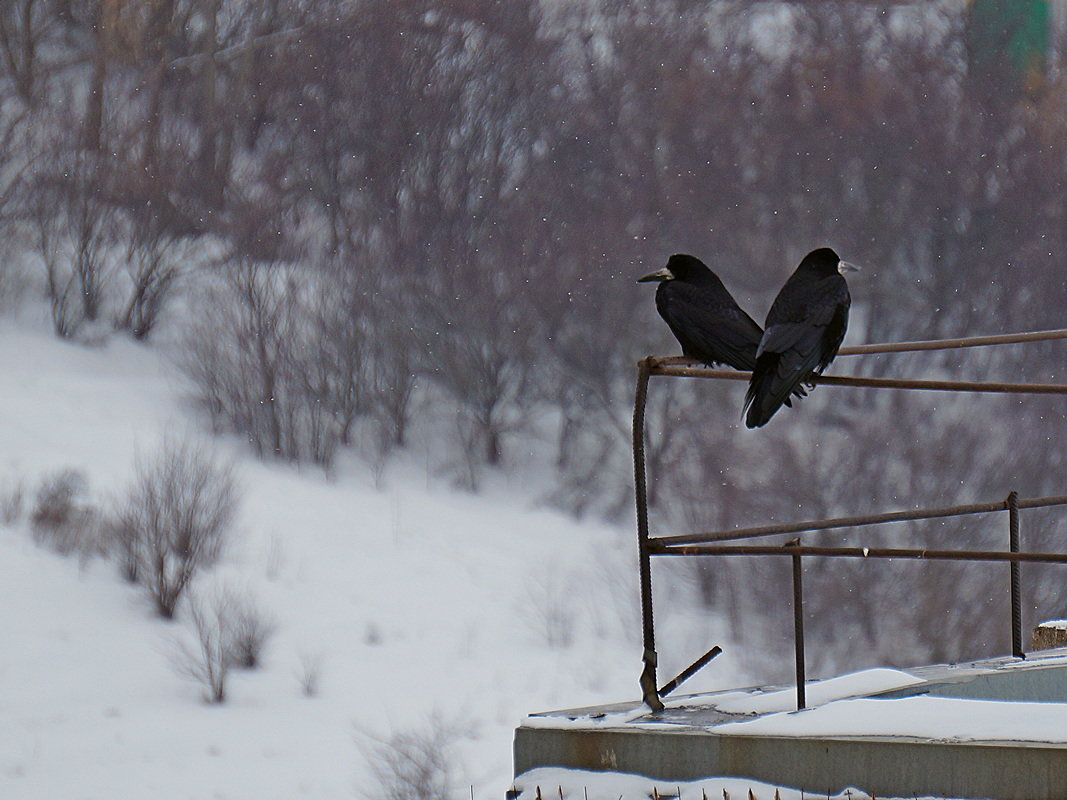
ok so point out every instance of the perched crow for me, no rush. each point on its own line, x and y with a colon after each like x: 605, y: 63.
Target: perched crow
x: 702, y: 314
x: 805, y: 327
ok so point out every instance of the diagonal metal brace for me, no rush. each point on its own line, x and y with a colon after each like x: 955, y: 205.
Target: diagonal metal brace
x: 689, y: 671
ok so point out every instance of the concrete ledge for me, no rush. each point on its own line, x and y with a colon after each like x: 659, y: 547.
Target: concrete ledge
x: 928, y: 739
x: 880, y: 767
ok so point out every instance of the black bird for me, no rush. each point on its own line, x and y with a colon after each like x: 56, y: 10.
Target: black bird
x: 805, y: 326
x: 703, y: 315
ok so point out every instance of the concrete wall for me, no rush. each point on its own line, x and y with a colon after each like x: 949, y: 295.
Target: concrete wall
x: 881, y: 767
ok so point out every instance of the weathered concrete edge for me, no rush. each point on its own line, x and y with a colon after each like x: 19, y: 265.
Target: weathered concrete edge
x: 878, y: 766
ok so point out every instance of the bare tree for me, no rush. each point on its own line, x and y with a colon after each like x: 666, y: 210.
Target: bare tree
x: 72, y: 226
x: 154, y: 261
x: 47, y: 242
x: 310, y: 675
x: 62, y: 517
x: 253, y: 356
x: 248, y: 631
x: 12, y: 493
x: 419, y: 762
x: 174, y: 519
x: 207, y: 658
x: 22, y: 27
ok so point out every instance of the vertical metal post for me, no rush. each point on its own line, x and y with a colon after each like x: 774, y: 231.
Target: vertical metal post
x: 649, y: 692
x: 798, y: 625
x: 1016, y: 594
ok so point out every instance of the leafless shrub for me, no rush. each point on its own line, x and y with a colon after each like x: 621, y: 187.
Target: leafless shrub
x: 61, y: 518
x: 252, y: 356
x: 205, y: 658
x: 274, y: 557
x: 12, y: 493
x: 483, y: 364
x: 46, y: 246
x: 174, y: 520
x: 551, y: 608
x: 124, y: 545
x: 153, y: 267
x: 310, y: 674
x: 14, y: 282
x: 57, y: 498
x: 248, y: 631
x: 71, y: 223
x: 611, y: 605
x: 372, y: 635
x: 419, y: 762
x: 378, y: 451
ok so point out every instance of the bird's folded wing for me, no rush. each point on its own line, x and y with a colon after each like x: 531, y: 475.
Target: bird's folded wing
x: 788, y: 336
x: 727, y: 333
x: 803, y: 332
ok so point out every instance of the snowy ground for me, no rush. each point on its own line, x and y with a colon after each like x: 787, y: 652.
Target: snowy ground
x: 579, y: 784
x: 424, y: 613
x: 416, y: 605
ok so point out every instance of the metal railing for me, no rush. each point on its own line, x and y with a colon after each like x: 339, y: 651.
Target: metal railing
x: 704, y: 544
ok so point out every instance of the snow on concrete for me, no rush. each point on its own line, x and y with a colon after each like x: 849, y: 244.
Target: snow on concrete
x: 1055, y: 624
x: 742, y: 701
x: 854, y: 684
x: 945, y: 719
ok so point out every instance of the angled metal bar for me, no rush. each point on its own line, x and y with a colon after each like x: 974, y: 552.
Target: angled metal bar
x: 689, y: 671
x: 759, y: 531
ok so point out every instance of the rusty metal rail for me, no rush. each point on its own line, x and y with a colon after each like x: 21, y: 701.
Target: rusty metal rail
x: 710, y: 543
x: 760, y: 531
x: 923, y: 553
x: 925, y: 344
x: 986, y: 387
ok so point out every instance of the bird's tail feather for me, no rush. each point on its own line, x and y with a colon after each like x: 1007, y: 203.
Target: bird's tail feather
x: 775, y: 378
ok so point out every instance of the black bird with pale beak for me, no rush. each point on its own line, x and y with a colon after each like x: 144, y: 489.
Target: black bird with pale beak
x: 803, y: 333
x: 703, y: 315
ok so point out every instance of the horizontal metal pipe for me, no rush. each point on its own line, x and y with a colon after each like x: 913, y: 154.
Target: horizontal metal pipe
x: 925, y: 344
x: 952, y: 344
x: 986, y: 387
x: 855, y: 521
x: 857, y: 552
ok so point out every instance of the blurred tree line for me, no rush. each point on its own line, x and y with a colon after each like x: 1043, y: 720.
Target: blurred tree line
x: 372, y: 218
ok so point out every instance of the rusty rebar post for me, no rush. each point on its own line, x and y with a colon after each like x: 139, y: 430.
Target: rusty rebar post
x: 648, y: 672
x: 1016, y: 595
x: 798, y: 623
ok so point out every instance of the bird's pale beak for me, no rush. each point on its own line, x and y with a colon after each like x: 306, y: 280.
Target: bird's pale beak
x: 659, y: 275
x: 844, y: 266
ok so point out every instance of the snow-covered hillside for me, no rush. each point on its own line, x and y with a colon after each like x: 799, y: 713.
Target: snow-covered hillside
x: 419, y: 610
